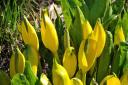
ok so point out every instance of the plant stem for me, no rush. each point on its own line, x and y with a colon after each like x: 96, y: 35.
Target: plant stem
x: 57, y: 57
x: 66, y: 39
x: 84, y: 78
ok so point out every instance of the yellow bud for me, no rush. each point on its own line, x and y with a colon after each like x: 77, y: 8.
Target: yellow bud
x: 70, y: 61
x: 119, y: 35
x: 28, y: 33
x: 17, y: 63
x: 87, y: 29
x: 76, y: 81
x: 110, y: 80
x: 44, y: 80
x: 49, y: 34
x: 22, y: 29
x: 59, y: 74
x: 100, y: 35
x: 82, y: 61
x: 91, y: 51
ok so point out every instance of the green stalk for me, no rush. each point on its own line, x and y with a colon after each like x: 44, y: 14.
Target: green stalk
x: 84, y: 78
x: 56, y: 57
x: 66, y: 39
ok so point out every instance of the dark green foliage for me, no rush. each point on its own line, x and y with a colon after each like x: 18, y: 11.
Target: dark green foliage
x: 120, y: 53
x: 118, y: 6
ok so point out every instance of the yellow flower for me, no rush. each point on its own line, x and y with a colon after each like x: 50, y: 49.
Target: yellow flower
x: 28, y: 33
x: 91, y: 51
x: 100, y: 36
x: 59, y: 74
x: 110, y: 80
x: 87, y: 29
x: 17, y: 62
x: 119, y: 35
x: 49, y: 34
x: 82, y: 61
x: 70, y: 61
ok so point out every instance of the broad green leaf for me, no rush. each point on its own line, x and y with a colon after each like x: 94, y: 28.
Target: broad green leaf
x: 4, y: 78
x: 90, y: 3
x: 97, y: 10
x: 29, y: 74
x: 19, y: 79
x: 104, y: 59
x: 76, y: 30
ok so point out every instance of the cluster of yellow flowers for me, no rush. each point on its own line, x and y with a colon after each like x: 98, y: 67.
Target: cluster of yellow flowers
x: 90, y: 49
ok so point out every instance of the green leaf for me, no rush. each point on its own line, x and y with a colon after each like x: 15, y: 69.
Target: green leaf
x: 73, y: 3
x: 29, y: 74
x: 119, y: 57
x: 19, y: 79
x: 108, y: 12
x: 4, y: 78
x: 97, y: 10
x: 104, y: 59
x: 107, y: 22
x: 125, y: 67
x: 76, y: 30
x: 125, y: 25
x: 84, y: 8
x: 66, y: 12
x: 118, y: 6
x: 90, y: 3
x: 60, y: 30
x: 108, y: 15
